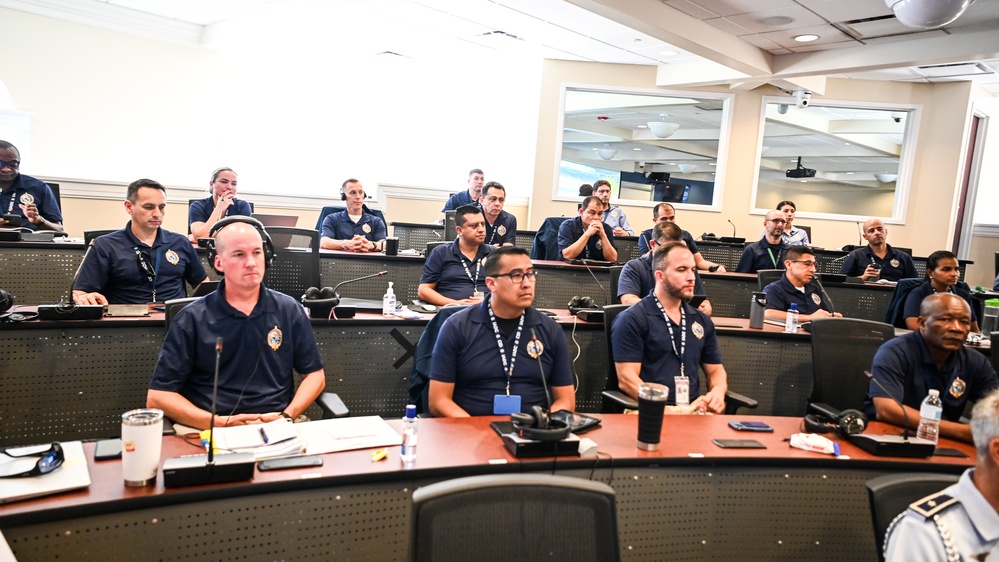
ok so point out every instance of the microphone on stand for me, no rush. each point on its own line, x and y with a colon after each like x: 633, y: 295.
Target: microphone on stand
x: 336, y: 295
x: 893, y: 445
x: 732, y: 239
x: 825, y: 295
x: 67, y: 309
x: 733, y: 227
x: 198, y: 470
x: 860, y: 227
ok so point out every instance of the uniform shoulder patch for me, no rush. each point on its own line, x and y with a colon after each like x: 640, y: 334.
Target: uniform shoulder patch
x: 933, y: 504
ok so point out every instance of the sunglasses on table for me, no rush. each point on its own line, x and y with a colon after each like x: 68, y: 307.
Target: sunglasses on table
x: 48, y: 460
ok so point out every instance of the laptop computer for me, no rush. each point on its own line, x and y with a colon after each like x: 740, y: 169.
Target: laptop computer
x: 71, y: 475
x: 276, y: 220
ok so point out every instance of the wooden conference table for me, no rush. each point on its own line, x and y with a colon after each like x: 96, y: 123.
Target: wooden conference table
x: 688, y: 501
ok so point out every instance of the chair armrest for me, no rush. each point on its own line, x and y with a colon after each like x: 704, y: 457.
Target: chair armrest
x: 332, y: 406
x: 620, y: 399
x: 734, y: 401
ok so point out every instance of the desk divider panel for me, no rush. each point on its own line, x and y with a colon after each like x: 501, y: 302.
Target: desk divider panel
x: 38, y: 275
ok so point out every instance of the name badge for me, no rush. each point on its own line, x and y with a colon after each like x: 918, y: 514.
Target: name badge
x: 504, y: 405
x: 682, y: 385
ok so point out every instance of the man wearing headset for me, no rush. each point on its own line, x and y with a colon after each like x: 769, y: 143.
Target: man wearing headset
x: 501, y: 226
x: 356, y: 229
x: 203, y: 214
x: 142, y: 262
x: 488, y: 358
x: 265, y: 334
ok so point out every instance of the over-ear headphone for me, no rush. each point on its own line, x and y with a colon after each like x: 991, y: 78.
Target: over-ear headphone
x: 320, y: 301
x: 257, y: 225
x: 18, y: 317
x: 845, y: 424
x: 6, y: 301
x: 343, y: 196
x: 581, y: 303
x: 537, y: 425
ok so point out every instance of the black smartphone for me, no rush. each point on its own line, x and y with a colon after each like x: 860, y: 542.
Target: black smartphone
x: 948, y: 452
x: 750, y: 426
x: 107, y: 449
x: 738, y: 444
x: 12, y: 220
x: 696, y: 300
x: 289, y: 462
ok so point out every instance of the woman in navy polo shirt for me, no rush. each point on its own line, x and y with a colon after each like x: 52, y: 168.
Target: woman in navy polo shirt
x: 942, y: 275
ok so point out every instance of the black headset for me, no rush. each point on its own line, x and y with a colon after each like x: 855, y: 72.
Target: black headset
x: 847, y: 423
x: 257, y: 225
x: 6, y: 301
x: 537, y: 425
x: 578, y: 303
x: 343, y: 196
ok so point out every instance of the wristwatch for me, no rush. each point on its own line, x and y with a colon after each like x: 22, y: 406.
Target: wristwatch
x: 287, y: 417
x: 714, y: 268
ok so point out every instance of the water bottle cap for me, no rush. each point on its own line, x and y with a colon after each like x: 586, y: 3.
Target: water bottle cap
x: 934, y: 392
x: 410, y: 411
x: 794, y: 306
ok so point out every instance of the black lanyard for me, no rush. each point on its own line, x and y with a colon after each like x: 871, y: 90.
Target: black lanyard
x: 683, y: 332
x: 478, y: 264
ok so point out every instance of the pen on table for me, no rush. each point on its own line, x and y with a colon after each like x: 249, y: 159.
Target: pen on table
x: 263, y: 435
x: 379, y: 455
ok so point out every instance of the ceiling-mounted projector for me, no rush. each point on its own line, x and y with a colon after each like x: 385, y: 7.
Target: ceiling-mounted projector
x: 800, y: 171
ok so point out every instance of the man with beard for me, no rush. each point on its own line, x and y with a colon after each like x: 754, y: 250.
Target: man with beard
x: 768, y: 252
x: 453, y: 273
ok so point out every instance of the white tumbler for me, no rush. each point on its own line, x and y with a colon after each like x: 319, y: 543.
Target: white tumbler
x: 141, y: 441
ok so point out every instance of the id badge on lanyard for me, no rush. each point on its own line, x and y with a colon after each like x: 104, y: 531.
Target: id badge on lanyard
x: 682, y: 384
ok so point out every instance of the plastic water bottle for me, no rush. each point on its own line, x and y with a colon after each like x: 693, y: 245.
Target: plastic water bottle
x: 388, y: 302
x: 930, y: 413
x: 791, y: 321
x: 409, y: 428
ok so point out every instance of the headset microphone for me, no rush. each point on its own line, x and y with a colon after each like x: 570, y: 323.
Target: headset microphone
x: 538, y: 424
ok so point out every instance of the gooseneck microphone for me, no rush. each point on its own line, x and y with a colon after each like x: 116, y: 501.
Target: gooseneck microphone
x: 893, y: 445
x: 860, y: 228
x: 336, y: 295
x: 541, y: 368
x: 215, y: 399
x: 733, y: 227
x: 825, y: 295
x: 67, y: 309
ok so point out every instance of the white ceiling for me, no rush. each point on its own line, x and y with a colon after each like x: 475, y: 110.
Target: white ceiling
x: 744, y: 43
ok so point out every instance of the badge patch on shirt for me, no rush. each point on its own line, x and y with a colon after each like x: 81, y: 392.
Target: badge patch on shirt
x: 697, y: 330
x: 274, y: 338
x: 366, y: 228
x: 958, y: 387
x: 894, y: 262
x: 27, y: 198
x: 501, y: 230
x: 816, y: 298
x: 600, y: 244
x: 172, y: 257
x: 535, y: 348
x: 614, y: 213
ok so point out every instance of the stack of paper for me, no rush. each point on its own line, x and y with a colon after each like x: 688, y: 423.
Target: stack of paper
x: 278, y: 438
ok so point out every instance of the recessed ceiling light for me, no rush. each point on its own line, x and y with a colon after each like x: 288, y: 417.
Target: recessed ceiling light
x: 849, y: 173
x: 669, y: 53
x: 777, y: 20
x: 636, y: 148
x: 806, y: 38
x: 804, y: 181
x: 643, y: 126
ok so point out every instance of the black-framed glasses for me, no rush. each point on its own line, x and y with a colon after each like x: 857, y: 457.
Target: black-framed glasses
x: 518, y: 276
x: 806, y: 263
x: 49, y: 460
x: 12, y: 164
x: 145, y: 263
x: 778, y: 221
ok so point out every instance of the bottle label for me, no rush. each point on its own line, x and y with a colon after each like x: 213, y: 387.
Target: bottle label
x: 931, y: 412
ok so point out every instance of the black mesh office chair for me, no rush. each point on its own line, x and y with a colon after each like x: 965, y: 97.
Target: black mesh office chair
x: 330, y: 404
x: 419, y: 377
x: 842, y: 349
x: 615, y: 401
x: 994, y: 345
x: 765, y: 277
x: 501, y: 517
x: 89, y: 235
x: 296, y: 263
x: 891, y: 494
x: 615, y: 279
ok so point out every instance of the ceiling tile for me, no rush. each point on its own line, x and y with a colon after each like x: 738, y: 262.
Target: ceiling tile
x: 801, y: 16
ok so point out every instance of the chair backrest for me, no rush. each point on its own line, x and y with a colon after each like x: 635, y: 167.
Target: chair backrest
x: 450, y: 223
x: 546, y: 240
x: 895, y: 315
x: 615, y: 278
x: 994, y: 344
x: 891, y: 494
x: 610, y: 313
x: 172, y: 307
x: 330, y: 209
x: 765, y: 277
x: 842, y: 349
x: 419, y: 377
x: 511, y: 516
x: 296, y: 262
x: 55, y: 193
x: 89, y: 235
x: 432, y: 245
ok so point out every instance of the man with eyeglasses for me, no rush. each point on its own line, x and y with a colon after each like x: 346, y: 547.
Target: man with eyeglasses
x: 638, y: 278
x: 501, y: 226
x: 878, y: 260
x: 24, y: 195
x: 666, y: 212
x: 586, y: 236
x: 613, y: 215
x: 141, y: 263
x: 768, y: 252
x: 453, y: 272
x: 498, y: 356
x: 796, y: 287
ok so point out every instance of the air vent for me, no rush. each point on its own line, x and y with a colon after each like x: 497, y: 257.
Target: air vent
x: 953, y: 70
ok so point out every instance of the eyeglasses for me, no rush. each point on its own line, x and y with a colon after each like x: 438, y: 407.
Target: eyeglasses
x: 518, y: 276
x: 778, y: 221
x: 50, y: 459
x: 806, y: 263
x: 145, y: 263
x: 12, y: 164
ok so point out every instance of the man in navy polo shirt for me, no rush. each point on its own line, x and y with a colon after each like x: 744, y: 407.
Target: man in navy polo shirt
x: 501, y: 226
x: 468, y: 197
x: 453, y: 272
x: 666, y: 212
x: 637, y: 278
x: 586, y: 237
x: 353, y: 230
x: 932, y: 357
x: 142, y: 262
x: 265, y: 336
x: 486, y: 359
x: 24, y: 195
x: 768, y: 252
x: 878, y: 260
x: 796, y: 287
x: 661, y: 339
x: 203, y: 214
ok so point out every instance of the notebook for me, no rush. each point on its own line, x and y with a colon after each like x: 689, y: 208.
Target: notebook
x: 73, y: 474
